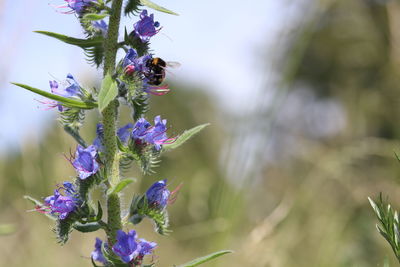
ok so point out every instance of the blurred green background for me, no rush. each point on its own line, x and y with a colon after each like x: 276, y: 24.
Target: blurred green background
x: 282, y: 181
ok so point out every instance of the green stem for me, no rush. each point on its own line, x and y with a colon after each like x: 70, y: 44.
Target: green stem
x: 109, y: 118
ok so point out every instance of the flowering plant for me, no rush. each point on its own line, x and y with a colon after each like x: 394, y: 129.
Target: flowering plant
x: 131, y: 81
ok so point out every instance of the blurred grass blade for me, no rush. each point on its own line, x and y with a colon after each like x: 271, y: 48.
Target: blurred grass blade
x: 154, y: 6
x: 67, y: 102
x: 204, y: 259
x: 6, y: 229
x: 185, y: 136
x: 84, y: 43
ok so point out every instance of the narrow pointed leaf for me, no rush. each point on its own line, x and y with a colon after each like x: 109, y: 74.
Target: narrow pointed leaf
x: 94, y: 17
x: 154, y: 6
x: 204, y: 259
x: 75, y: 134
x: 83, y: 43
x: 185, y: 136
x: 67, y: 102
x: 108, y: 92
x: 121, y: 185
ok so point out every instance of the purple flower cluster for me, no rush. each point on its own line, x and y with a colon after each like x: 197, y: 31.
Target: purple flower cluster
x: 146, y: 27
x: 85, y: 161
x: 142, y: 132
x: 62, y: 202
x: 156, y: 135
x: 158, y: 195
x: 128, y: 247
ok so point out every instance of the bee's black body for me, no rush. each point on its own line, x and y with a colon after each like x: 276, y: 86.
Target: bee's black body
x: 156, y: 71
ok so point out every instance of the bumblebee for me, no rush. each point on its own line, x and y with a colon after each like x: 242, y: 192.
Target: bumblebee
x: 155, y: 70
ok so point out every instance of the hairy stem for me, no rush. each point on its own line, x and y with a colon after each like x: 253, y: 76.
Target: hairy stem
x: 109, y: 119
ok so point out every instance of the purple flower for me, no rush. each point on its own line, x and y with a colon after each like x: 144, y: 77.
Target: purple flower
x: 146, y: 27
x: 98, y: 141
x: 124, y: 132
x: 132, y: 62
x: 71, y: 90
x: 62, y: 202
x: 158, y: 136
x: 97, y: 254
x: 126, y: 246
x: 101, y: 27
x: 158, y: 195
x: 146, y: 247
x: 78, y: 6
x: 140, y: 129
x: 85, y: 161
x: 129, y: 58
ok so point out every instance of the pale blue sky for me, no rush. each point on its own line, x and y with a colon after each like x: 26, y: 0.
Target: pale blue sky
x: 218, y: 44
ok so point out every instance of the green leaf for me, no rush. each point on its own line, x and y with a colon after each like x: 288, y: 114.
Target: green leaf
x: 83, y: 43
x: 152, y: 5
x: 121, y: 185
x: 93, y: 47
x: 94, y: 16
x: 87, y: 227
x: 6, y: 229
x: 67, y: 102
x: 184, y: 137
x: 204, y: 259
x: 108, y: 92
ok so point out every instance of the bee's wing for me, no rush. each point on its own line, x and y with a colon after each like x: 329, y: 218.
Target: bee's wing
x: 173, y: 64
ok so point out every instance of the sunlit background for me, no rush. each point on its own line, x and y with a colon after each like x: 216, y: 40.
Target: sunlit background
x: 303, y: 100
